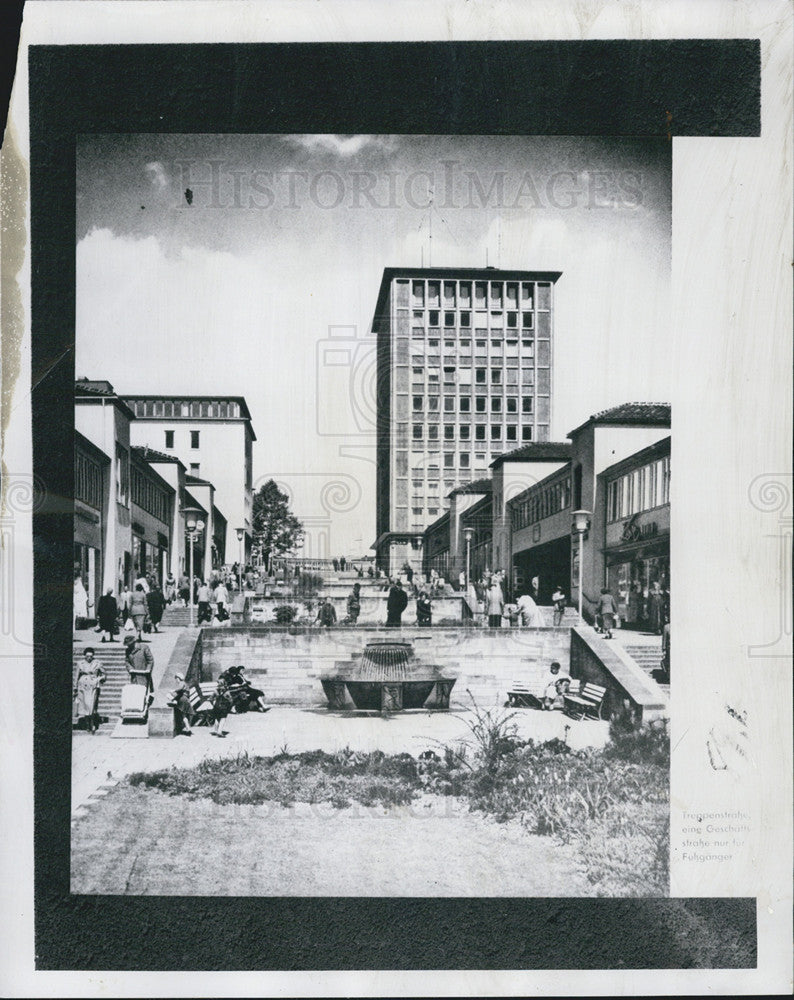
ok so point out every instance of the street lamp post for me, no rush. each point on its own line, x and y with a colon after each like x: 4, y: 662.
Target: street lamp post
x: 240, y: 537
x: 193, y: 526
x: 581, y: 522
x: 468, y: 534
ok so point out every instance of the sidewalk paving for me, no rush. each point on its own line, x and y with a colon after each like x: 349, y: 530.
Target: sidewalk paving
x: 99, y: 761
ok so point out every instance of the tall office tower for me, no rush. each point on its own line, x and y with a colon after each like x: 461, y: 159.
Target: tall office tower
x: 464, y: 374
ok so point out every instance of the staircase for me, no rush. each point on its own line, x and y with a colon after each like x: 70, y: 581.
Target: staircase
x: 649, y: 658
x: 111, y: 657
x: 175, y: 616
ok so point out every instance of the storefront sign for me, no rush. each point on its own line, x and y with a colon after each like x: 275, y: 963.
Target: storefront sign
x: 633, y: 532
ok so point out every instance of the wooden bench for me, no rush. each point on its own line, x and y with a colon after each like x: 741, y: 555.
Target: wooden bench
x: 521, y: 696
x: 200, y: 697
x: 588, y: 702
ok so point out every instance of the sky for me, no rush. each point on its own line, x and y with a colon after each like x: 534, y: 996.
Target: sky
x: 250, y: 265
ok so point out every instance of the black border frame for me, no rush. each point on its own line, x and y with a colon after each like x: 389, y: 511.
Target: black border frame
x: 640, y: 88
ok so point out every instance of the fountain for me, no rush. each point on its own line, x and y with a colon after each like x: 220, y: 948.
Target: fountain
x: 388, y: 677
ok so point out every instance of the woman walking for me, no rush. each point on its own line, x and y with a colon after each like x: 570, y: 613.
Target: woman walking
x: 138, y: 609
x: 90, y: 677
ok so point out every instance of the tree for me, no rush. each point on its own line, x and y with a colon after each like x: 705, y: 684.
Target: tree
x: 275, y: 528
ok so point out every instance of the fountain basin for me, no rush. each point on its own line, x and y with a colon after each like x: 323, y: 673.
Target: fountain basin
x: 388, y: 677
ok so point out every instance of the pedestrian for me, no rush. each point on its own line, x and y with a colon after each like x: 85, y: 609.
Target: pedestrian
x: 424, y: 609
x: 144, y: 583
x: 462, y: 580
x: 204, y: 597
x: 221, y: 706
x: 370, y: 572
x: 80, y: 602
x: 138, y: 609
x: 170, y: 589
x: 666, y: 651
x: 409, y: 573
x: 326, y: 613
x: 606, y: 611
x: 90, y: 678
x: 125, y: 599
x: 558, y: 599
x: 221, y: 600
x: 495, y: 604
x: 396, y: 603
x: 555, y: 685
x: 140, y: 663
x: 180, y: 702
x: 656, y: 608
x: 156, y: 605
x: 342, y: 564
x: 107, y: 613
x: 528, y: 612
x: 354, y: 604
x: 335, y: 563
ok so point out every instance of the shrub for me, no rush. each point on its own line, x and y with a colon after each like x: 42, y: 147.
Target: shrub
x: 285, y: 614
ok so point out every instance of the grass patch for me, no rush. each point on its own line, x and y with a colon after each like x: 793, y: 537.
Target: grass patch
x: 611, y: 805
x: 314, y: 777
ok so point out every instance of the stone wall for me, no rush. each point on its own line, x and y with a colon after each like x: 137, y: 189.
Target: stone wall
x: 288, y: 663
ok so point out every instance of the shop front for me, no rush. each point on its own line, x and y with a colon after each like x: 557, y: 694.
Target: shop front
x: 638, y: 566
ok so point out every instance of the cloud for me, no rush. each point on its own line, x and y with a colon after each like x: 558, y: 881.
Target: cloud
x: 157, y: 175
x: 344, y: 146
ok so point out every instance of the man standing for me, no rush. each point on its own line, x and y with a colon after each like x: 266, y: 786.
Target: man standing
x: 496, y: 604
x: 221, y: 600
x: 107, y: 610
x: 140, y: 663
x: 396, y: 603
x: 204, y: 597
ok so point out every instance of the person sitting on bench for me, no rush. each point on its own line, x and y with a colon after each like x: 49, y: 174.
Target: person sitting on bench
x: 180, y: 701
x: 554, y: 687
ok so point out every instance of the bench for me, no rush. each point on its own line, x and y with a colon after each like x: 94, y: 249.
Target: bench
x: 588, y: 702
x: 521, y: 696
x: 200, y: 697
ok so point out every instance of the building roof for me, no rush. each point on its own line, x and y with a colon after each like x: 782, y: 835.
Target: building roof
x: 537, y: 451
x: 464, y: 273
x: 643, y: 414
x: 439, y: 521
x: 191, y: 501
x: 477, y: 509
x: 85, y: 388
x: 139, y: 458
x: 656, y: 450
x: 153, y: 455
x: 88, y: 446
x: 195, y: 481
x: 478, y: 486
x: 187, y: 397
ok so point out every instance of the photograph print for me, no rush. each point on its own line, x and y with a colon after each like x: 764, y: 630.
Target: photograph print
x: 372, y: 516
